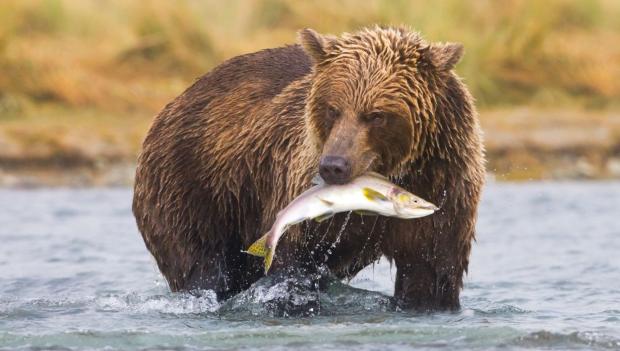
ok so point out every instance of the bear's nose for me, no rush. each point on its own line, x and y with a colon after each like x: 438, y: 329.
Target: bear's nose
x: 335, y: 169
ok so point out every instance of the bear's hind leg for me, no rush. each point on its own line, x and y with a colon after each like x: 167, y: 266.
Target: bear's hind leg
x: 226, y: 273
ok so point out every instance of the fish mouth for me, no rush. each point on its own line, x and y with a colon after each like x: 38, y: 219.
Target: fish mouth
x: 418, y: 211
x: 430, y: 206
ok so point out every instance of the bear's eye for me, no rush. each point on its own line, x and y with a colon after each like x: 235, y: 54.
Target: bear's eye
x: 375, y: 119
x: 332, y: 112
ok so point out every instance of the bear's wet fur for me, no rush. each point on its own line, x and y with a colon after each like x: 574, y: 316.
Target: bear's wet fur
x: 245, y: 139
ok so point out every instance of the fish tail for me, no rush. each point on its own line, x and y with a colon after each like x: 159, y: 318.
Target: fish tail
x: 268, y: 260
x: 260, y: 249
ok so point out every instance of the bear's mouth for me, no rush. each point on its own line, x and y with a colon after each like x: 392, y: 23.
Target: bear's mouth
x: 339, y: 170
x: 371, y: 164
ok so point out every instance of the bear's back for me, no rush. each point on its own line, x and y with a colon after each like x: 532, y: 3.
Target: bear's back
x: 220, y: 106
x: 269, y: 71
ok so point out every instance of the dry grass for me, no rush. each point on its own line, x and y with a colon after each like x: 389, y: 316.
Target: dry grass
x: 118, y: 55
x: 88, y: 75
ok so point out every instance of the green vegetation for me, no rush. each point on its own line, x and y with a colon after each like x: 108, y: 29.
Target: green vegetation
x: 108, y: 66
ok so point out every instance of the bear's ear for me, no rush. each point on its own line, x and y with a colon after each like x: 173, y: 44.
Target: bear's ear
x: 314, y: 44
x: 444, y: 56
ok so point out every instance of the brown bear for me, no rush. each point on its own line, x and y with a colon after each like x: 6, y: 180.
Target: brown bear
x: 245, y: 139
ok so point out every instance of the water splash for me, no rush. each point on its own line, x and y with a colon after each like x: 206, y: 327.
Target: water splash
x: 338, y: 237
x: 289, y: 294
x: 198, y: 302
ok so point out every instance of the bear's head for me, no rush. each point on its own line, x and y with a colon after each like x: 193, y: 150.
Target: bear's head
x: 372, y: 101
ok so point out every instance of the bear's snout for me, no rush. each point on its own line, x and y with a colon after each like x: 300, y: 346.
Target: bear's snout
x: 335, y: 169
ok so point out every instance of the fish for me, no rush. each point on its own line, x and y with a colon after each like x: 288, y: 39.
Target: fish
x: 370, y: 193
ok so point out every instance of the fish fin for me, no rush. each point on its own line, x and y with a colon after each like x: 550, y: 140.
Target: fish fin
x: 327, y: 202
x: 374, y: 195
x: 268, y: 260
x: 323, y: 217
x: 317, y: 180
x: 377, y: 175
x: 366, y: 213
x: 259, y: 247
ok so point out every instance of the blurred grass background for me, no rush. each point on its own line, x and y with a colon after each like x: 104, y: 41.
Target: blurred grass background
x: 80, y: 80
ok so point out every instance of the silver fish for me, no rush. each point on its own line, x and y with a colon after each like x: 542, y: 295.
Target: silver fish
x: 370, y: 192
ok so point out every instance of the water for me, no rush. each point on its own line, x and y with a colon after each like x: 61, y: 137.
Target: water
x: 544, y: 274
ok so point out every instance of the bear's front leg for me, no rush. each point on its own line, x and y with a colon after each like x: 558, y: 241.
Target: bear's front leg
x: 421, y: 286
x: 431, y: 256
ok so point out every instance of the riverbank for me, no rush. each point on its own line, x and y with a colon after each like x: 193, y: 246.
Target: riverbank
x: 81, y: 81
x: 542, y: 144
x: 59, y: 147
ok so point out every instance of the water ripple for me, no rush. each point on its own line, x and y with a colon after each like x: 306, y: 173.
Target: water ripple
x: 74, y: 275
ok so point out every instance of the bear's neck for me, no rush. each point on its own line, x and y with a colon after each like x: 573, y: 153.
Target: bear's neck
x: 454, y: 137
x: 451, y: 151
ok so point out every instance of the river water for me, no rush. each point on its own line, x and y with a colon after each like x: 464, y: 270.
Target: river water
x: 544, y: 274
